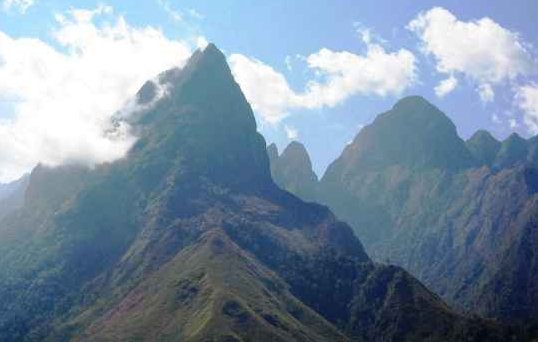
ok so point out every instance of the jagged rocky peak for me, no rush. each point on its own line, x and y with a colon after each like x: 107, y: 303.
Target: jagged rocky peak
x: 484, y: 147
x: 174, y: 234
x: 292, y: 170
x: 414, y: 134
x: 204, y: 120
x: 409, y: 175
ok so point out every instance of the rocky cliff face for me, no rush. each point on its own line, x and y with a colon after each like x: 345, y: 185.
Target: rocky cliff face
x: 188, y: 238
x: 461, y: 216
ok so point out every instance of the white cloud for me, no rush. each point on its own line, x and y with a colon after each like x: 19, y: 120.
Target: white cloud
x: 63, y: 100
x: 201, y: 42
x: 446, y: 86
x: 340, y: 76
x: 376, y: 73
x: 291, y: 132
x: 527, y: 100
x: 267, y: 90
x: 481, y: 50
x: 20, y: 5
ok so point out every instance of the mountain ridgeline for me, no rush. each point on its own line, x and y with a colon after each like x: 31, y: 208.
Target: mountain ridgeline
x: 461, y: 216
x: 188, y: 238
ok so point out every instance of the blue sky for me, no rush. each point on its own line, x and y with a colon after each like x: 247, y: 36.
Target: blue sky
x: 282, y: 35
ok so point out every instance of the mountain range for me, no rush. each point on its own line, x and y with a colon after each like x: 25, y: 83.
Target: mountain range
x: 188, y: 238
x: 459, y: 215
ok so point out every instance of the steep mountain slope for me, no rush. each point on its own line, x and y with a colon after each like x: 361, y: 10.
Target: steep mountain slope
x: 292, y: 170
x: 188, y: 238
x: 513, y: 150
x: 484, y: 147
x: 12, y: 195
x: 419, y: 197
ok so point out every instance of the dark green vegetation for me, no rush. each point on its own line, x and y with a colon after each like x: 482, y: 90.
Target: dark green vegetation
x: 188, y: 238
x: 460, y: 216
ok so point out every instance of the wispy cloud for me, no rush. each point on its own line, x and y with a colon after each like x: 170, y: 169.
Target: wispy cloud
x: 291, y: 132
x: 179, y: 15
x: 173, y: 13
x: 527, y: 101
x: 20, y: 5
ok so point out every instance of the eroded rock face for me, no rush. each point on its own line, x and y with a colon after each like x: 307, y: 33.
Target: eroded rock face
x: 458, y: 215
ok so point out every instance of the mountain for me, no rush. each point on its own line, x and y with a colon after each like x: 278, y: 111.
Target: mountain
x: 513, y: 150
x: 461, y: 216
x: 414, y: 133
x: 292, y: 170
x: 12, y: 195
x: 484, y: 147
x: 188, y: 238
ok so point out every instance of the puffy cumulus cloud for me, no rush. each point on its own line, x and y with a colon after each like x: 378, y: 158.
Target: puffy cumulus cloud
x: 527, y: 100
x: 19, y: 5
x: 61, y: 100
x: 480, y: 50
x: 341, y: 74
x: 376, y: 73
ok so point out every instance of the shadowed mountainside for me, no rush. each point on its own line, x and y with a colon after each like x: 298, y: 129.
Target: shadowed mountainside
x: 461, y: 216
x: 188, y: 238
